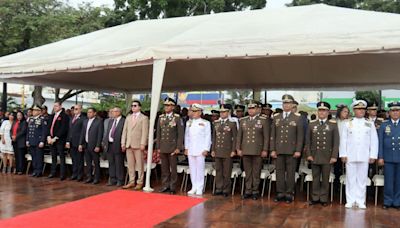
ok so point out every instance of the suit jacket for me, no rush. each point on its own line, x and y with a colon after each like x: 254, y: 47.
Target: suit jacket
x: 224, y: 138
x: 389, y: 142
x: 95, y: 134
x: 253, y: 135
x: 170, y: 133
x: 20, y: 140
x: 37, y: 131
x: 287, y: 135
x: 75, y: 130
x: 322, y: 141
x: 61, y: 125
x: 116, y: 145
x: 135, y: 133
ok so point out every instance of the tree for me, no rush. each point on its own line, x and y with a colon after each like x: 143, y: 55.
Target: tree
x: 131, y: 10
x: 376, y: 5
x: 239, y: 97
x: 27, y: 24
x: 66, y: 96
x: 369, y: 96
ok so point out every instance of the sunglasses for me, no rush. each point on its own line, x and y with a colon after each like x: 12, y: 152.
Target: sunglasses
x: 251, y: 108
x: 195, y: 110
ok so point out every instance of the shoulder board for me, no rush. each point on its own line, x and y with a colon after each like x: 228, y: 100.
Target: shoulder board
x: 276, y: 114
x: 263, y: 117
x: 313, y: 121
x: 161, y: 115
x: 216, y: 121
x: 332, y: 121
x: 297, y: 114
x: 380, y: 119
x: 243, y: 118
x: 176, y: 115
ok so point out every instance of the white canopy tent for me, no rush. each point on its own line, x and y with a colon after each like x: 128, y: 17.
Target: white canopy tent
x: 315, y: 46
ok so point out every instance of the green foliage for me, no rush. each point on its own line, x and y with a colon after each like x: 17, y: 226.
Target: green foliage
x: 109, y: 102
x: 369, y: 96
x: 391, y: 6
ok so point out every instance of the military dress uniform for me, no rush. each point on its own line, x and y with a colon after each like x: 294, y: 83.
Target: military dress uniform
x: 252, y: 139
x: 197, y: 141
x: 36, y: 135
x: 287, y: 137
x: 223, y: 144
x: 322, y: 144
x: 389, y: 151
x: 359, y: 144
x: 170, y: 133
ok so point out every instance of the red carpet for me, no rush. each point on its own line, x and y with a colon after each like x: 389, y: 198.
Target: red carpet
x: 113, y: 209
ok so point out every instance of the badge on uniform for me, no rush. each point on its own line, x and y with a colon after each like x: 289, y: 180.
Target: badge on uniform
x: 277, y: 122
x: 258, y: 125
x: 227, y: 128
x: 201, y: 124
x: 367, y: 124
x: 327, y: 127
x: 293, y: 123
x: 172, y: 123
x: 258, y: 121
x: 388, y: 130
x: 315, y: 129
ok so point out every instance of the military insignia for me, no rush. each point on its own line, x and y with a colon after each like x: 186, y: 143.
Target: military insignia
x: 227, y: 128
x: 172, y: 124
x: 201, y: 124
x: 327, y: 127
x: 388, y: 130
x: 292, y: 123
x: 315, y: 129
x: 277, y: 122
x: 190, y: 123
x: 367, y: 124
x: 258, y: 121
x: 258, y: 125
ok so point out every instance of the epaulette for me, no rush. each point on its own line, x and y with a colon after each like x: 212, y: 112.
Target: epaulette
x: 380, y: 119
x: 312, y: 121
x: 176, y: 115
x: 263, y: 117
x: 297, y: 114
x: 245, y: 117
x: 276, y: 114
x: 161, y: 115
x: 332, y: 121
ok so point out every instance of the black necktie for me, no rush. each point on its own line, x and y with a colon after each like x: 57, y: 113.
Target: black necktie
x: 322, y: 122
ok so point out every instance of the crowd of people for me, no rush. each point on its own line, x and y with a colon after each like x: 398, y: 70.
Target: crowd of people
x: 356, y: 145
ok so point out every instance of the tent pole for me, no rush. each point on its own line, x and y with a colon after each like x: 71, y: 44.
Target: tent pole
x: 157, y: 81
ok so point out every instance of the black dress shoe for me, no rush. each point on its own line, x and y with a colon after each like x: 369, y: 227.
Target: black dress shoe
x: 289, y: 199
x: 217, y: 193
x: 62, y: 178
x: 79, y: 179
x: 225, y: 194
x: 33, y: 175
x: 96, y: 182
x: 165, y: 189
x: 324, y: 204
x: 256, y: 196
x: 119, y: 184
x: 313, y: 202
x: 73, y: 178
x: 246, y: 196
x: 87, y: 181
x: 279, y: 199
x: 172, y: 192
x: 111, y: 184
x: 385, y: 207
x: 51, y: 176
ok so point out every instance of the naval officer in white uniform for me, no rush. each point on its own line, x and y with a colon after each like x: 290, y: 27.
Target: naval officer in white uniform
x: 197, y: 146
x: 358, y: 147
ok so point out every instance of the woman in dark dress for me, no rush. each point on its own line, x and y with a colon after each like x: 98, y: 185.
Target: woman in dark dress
x: 18, y: 136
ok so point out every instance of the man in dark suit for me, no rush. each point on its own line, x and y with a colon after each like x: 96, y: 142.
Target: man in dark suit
x: 90, y: 143
x: 74, y: 135
x: 58, y: 132
x: 113, y: 149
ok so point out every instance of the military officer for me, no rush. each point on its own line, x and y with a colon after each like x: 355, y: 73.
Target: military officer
x: 389, y: 156
x: 358, y: 147
x: 35, y: 140
x: 373, y: 115
x: 252, y: 145
x: 287, y: 137
x: 169, y: 142
x: 223, y: 149
x: 266, y: 110
x: 239, y: 111
x: 197, y: 146
x: 322, y: 149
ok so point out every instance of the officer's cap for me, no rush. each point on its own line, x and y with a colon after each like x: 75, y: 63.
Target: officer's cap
x: 196, y: 107
x: 267, y: 106
x: 373, y: 106
x: 169, y: 101
x: 323, y: 105
x: 253, y: 104
x: 225, y: 107
x: 287, y: 98
x: 214, y: 112
x: 239, y: 107
x: 359, y: 104
x: 36, y: 107
x: 394, y: 105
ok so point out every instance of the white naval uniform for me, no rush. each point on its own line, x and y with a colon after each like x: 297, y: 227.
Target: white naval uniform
x: 359, y: 143
x: 197, y: 140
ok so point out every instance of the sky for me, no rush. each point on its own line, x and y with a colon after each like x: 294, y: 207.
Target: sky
x: 110, y: 3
